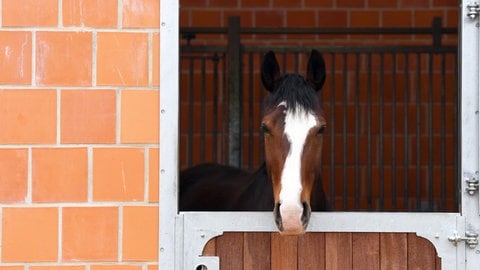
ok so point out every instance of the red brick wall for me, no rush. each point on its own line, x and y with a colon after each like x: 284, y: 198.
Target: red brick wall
x: 79, y: 134
x: 314, y: 13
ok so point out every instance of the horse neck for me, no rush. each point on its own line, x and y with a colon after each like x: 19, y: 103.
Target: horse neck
x: 258, y: 195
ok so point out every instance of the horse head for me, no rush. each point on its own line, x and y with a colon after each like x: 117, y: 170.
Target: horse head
x: 293, y: 125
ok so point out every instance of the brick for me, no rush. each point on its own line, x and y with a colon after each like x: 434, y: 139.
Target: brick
x: 383, y: 3
x: 28, y: 116
x: 64, y: 58
x: 223, y: 3
x: 332, y: 18
x: 153, y: 183
x: 414, y: 3
x: 118, y: 174
x: 152, y: 267
x: 140, y: 116
x: 22, y: 242
x: 140, y: 233
x: 206, y: 18
x: 255, y: 3
x: 351, y: 4
x: 141, y: 13
x: 90, y: 234
x: 122, y: 59
x: 194, y: 3
x: 397, y: 19
x: 11, y: 267
x: 55, y: 178
x: 15, y: 57
x: 156, y: 60
x: 286, y: 4
x: 364, y: 18
x: 13, y: 179
x: 88, y: 116
x: 316, y: 3
x: 115, y: 267
x: 271, y: 18
x: 29, y: 13
x: 56, y: 267
x: 301, y: 18
x: 86, y: 13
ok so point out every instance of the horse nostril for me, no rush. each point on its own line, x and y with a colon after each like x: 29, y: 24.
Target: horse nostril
x: 278, y: 217
x: 306, y: 214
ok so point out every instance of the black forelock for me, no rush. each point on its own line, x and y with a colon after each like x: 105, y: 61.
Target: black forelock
x: 296, y: 91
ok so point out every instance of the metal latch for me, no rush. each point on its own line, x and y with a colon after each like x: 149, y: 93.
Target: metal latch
x: 470, y: 239
x: 473, y: 10
x: 472, y: 183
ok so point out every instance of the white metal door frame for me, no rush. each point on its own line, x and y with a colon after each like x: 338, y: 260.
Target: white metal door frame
x: 183, y: 235
x: 469, y: 83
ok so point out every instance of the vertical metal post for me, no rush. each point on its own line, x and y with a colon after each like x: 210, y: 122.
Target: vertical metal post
x: 169, y: 104
x: 234, y: 93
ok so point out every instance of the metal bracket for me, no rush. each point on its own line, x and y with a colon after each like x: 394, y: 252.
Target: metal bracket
x: 473, y: 10
x: 472, y: 183
x: 470, y: 239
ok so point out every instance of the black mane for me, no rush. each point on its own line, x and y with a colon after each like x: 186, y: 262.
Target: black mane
x: 296, y: 91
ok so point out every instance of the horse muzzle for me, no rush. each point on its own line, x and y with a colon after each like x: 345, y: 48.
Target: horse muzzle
x: 292, y: 219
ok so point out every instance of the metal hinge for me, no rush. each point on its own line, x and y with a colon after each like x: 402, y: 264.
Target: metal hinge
x: 473, y: 10
x: 470, y: 239
x: 472, y: 183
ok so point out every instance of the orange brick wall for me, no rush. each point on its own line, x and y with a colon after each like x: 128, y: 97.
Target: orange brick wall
x: 79, y: 101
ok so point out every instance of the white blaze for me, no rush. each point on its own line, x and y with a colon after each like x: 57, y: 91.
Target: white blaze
x: 297, y: 125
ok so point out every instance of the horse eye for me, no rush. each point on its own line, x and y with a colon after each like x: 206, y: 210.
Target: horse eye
x: 265, y: 129
x: 321, y: 130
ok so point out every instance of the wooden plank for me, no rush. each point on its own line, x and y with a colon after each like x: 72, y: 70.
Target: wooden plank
x: 230, y: 251
x: 438, y: 263
x: 284, y: 252
x: 421, y: 253
x: 256, y: 251
x: 210, y: 248
x: 366, y: 251
x: 311, y: 251
x: 338, y: 251
x: 393, y: 251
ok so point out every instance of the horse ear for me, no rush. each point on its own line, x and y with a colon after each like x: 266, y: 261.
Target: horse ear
x: 270, y: 71
x: 316, y: 70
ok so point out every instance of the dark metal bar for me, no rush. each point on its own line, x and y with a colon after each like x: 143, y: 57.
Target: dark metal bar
x: 418, y: 153
x: 320, y: 31
x: 344, y: 131
x: 369, y: 132
x: 357, y: 131
x: 234, y: 93
x: 430, y: 132
x: 332, y: 130
x: 457, y: 134
x: 405, y: 132
x: 324, y: 49
x: 443, y: 121
x: 203, y: 110
x: 437, y: 31
x: 394, y: 132
x: 190, y: 112
x: 381, y: 134
x: 215, y: 61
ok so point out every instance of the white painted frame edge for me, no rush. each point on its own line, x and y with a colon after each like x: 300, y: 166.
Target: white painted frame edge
x: 183, y: 236
x: 169, y: 98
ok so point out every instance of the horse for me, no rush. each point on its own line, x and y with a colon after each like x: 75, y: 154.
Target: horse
x: 289, y: 180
